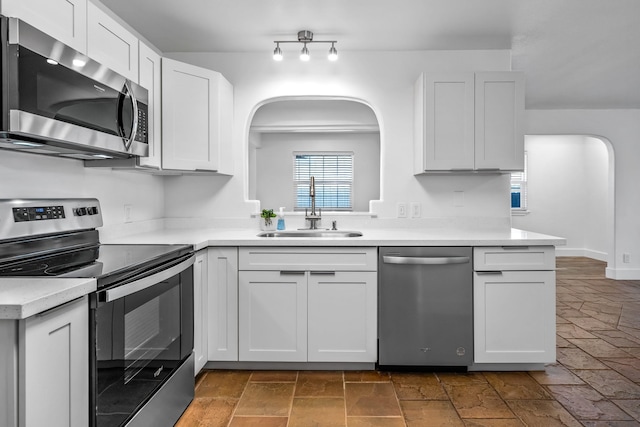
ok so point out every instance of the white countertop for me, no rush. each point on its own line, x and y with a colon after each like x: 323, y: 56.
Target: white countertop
x: 26, y: 296
x: 201, y: 238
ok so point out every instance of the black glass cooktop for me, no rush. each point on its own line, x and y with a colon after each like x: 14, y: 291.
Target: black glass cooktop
x: 105, y: 262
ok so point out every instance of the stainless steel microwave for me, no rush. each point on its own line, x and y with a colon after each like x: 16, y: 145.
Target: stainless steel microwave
x: 57, y: 101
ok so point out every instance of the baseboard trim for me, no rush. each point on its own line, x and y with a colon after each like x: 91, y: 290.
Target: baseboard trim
x: 298, y: 366
x: 623, y: 273
x: 600, y: 256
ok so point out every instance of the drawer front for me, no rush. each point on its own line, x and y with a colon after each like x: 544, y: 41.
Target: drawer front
x: 514, y: 258
x: 308, y: 258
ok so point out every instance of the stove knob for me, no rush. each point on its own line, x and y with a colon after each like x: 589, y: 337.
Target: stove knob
x: 80, y: 211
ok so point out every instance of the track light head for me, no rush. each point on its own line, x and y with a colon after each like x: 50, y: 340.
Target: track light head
x: 277, y: 53
x: 304, y: 53
x: 333, y: 53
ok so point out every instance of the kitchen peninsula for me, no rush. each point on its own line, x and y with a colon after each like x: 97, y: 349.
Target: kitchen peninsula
x: 519, y: 304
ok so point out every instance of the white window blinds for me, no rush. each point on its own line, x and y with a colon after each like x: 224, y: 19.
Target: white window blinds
x: 519, y: 188
x: 333, y: 176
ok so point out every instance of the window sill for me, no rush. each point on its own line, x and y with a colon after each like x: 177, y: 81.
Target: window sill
x: 520, y: 212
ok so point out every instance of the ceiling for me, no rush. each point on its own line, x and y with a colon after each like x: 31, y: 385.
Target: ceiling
x: 575, y: 53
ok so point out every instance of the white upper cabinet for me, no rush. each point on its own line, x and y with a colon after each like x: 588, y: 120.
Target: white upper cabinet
x: 444, y: 122
x: 151, y: 79
x: 499, y: 121
x: 469, y: 122
x: 111, y: 44
x: 197, y: 109
x: 65, y: 20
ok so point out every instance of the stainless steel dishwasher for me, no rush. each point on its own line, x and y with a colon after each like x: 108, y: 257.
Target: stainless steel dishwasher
x: 425, y: 306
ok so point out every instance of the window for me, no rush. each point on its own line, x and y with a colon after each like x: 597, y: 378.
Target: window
x: 519, y: 189
x: 333, y: 176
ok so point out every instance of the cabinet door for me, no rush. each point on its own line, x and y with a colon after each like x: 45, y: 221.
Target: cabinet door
x: 342, y: 316
x: 64, y: 20
x: 189, y: 109
x: 445, y: 121
x: 150, y: 78
x: 499, y: 121
x: 54, y: 367
x: 111, y: 44
x: 273, y: 316
x: 200, y: 310
x: 223, y: 304
x: 514, y: 317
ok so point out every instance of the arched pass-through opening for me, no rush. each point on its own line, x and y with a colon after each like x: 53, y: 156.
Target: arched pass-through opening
x: 283, y: 129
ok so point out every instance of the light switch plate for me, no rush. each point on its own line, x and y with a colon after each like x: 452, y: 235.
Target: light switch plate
x: 402, y: 210
x: 416, y: 209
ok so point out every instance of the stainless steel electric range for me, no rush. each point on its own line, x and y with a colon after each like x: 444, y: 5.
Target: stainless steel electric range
x: 141, y: 316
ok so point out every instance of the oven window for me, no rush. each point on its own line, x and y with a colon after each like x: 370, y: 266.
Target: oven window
x: 150, y: 330
x: 138, y: 345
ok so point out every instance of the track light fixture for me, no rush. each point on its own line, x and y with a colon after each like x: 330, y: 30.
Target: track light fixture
x: 305, y: 37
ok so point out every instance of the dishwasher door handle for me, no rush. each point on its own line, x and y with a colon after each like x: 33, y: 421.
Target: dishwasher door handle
x: 426, y: 260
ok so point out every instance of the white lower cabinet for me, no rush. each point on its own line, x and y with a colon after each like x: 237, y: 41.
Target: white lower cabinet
x: 514, y: 308
x: 222, y: 304
x: 273, y: 316
x: 53, y: 367
x: 200, y: 309
x: 342, y: 313
x: 308, y: 305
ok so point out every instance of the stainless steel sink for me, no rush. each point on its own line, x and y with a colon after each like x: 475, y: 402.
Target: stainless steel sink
x: 310, y: 233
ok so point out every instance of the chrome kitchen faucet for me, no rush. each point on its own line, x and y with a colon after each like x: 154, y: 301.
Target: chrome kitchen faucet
x: 313, y: 218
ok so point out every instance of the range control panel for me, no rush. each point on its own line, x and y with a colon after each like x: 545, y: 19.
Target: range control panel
x: 38, y: 213
x: 33, y: 217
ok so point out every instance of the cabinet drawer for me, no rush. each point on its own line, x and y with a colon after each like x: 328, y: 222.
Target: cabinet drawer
x: 514, y: 258
x: 308, y: 258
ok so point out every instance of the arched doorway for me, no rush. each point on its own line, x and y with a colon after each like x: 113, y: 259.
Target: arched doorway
x: 570, y: 193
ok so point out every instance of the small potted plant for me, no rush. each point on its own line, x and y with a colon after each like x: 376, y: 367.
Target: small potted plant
x: 266, y: 221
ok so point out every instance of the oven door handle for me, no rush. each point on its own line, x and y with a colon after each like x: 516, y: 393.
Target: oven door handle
x: 146, y: 282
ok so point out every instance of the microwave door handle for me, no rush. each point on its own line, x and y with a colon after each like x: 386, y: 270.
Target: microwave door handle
x: 134, y: 124
x: 146, y: 282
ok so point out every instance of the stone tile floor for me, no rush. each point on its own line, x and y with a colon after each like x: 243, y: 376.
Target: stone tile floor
x: 595, y: 382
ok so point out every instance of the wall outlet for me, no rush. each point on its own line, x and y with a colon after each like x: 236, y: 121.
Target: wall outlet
x: 402, y: 210
x: 626, y: 258
x: 415, y: 209
x: 127, y: 213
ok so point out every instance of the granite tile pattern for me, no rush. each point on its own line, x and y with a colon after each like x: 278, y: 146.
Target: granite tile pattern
x: 595, y: 381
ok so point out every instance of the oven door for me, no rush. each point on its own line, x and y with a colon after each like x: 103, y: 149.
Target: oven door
x: 143, y: 332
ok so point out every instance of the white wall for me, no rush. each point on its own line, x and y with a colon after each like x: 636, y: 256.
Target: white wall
x: 274, y: 165
x: 383, y: 80
x: 567, y: 192
x: 621, y: 130
x: 35, y: 176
